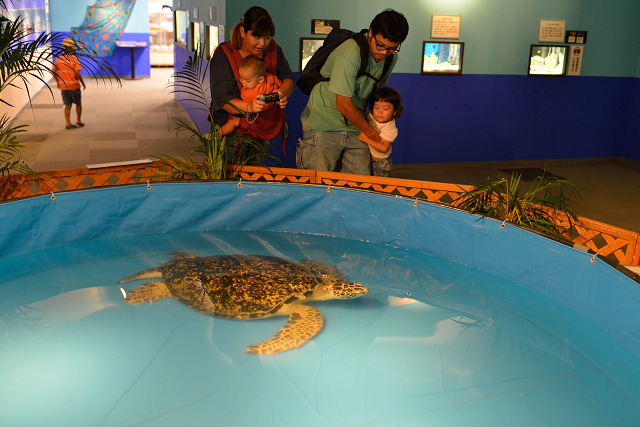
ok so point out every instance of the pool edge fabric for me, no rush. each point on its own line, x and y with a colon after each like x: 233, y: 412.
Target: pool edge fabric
x: 576, y: 279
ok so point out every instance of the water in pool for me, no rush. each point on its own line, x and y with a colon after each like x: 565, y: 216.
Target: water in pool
x: 431, y: 343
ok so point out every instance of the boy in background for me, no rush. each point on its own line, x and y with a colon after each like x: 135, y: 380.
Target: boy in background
x: 66, y: 70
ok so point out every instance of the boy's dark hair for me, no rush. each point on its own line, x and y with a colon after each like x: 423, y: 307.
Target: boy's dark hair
x: 392, y: 25
x: 255, y: 19
x: 390, y: 95
x: 255, y: 64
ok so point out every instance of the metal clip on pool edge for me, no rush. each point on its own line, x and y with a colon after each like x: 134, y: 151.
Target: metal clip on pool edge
x: 148, y: 185
x: 415, y: 202
x: 329, y: 188
x: 53, y: 197
x: 240, y: 183
x: 503, y: 224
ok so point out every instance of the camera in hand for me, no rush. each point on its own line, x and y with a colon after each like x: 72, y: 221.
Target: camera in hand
x: 270, y: 97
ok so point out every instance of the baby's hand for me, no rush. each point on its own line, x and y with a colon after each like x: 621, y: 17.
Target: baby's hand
x: 257, y: 105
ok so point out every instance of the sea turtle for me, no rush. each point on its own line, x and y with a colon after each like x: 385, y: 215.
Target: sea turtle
x: 249, y: 287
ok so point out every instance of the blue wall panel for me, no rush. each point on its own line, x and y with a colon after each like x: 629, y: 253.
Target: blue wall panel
x: 489, y: 118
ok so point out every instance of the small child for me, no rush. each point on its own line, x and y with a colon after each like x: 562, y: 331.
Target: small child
x: 255, y: 81
x: 386, y: 106
x: 66, y: 70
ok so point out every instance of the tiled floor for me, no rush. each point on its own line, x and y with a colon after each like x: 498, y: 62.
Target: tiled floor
x: 122, y: 124
x: 132, y: 123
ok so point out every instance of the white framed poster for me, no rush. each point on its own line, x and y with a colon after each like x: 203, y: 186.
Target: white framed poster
x: 445, y: 26
x: 551, y: 31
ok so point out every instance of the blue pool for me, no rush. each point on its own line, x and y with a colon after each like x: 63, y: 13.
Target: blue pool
x: 466, y: 323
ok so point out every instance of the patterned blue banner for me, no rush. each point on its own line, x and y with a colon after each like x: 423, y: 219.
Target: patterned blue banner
x: 103, y: 25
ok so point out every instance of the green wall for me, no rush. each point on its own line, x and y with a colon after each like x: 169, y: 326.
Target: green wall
x: 497, y: 33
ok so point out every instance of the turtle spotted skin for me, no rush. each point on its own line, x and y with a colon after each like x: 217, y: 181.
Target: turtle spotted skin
x: 249, y: 287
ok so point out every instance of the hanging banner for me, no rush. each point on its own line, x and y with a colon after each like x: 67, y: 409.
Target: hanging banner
x: 103, y: 25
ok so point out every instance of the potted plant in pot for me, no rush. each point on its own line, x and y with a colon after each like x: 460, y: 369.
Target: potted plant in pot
x: 210, y: 158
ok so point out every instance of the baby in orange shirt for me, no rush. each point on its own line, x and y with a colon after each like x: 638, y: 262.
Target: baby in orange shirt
x: 255, y: 81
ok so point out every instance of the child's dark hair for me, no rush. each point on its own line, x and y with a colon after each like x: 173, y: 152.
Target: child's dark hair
x: 255, y: 64
x: 390, y: 95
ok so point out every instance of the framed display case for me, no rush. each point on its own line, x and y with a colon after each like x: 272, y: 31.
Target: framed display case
x: 181, y: 23
x: 195, y: 36
x: 442, y: 58
x: 212, y: 39
x: 547, y: 60
x: 308, y: 46
x: 161, y: 28
x: 34, y: 15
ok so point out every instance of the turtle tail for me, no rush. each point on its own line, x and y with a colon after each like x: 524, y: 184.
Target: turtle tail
x: 152, y: 273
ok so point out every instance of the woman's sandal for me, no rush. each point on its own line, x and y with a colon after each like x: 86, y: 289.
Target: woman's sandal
x: 79, y: 125
x: 72, y: 127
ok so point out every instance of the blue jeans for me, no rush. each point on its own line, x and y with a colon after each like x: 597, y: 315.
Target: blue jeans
x: 334, y: 152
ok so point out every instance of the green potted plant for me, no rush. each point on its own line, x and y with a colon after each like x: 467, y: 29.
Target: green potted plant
x: 543, y: 206
x: 210, y: 158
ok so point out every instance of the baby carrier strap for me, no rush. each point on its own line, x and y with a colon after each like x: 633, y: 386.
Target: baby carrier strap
x: 270, y: 57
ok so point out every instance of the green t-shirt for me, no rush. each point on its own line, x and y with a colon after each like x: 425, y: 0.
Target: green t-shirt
x: 342, y: 67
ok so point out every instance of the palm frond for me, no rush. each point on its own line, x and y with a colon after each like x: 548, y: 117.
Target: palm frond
x: 544, y: 206
x: 10, y: 157
x: 190, y: 85
x: 21, y: 57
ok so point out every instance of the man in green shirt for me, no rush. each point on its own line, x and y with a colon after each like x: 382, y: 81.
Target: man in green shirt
x: 335, y: 113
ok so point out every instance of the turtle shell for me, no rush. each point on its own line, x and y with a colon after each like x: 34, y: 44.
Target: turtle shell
x: 241, y: 286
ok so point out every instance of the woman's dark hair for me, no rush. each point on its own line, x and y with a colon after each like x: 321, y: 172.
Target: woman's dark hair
x: 391, y: 24
x: 390, y: 95
x: 255, y: 19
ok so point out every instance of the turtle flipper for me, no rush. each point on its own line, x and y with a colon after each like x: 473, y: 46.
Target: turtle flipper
x: 149, y: 292
x: 152, y: 273
x: 304, y: 322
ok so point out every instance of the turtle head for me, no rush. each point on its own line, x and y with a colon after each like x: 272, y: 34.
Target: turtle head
x: 340, y: 290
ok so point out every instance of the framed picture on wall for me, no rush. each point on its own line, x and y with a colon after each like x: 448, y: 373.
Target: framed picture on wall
x: 195, y: 36
x: 547, y: 60
x: 180, y: 22
x: 308, y: 46
x: 324, y: 26
x: 442, y: 58
x: 212, y: 39
x: 203, y: 40
x: 221, y: 34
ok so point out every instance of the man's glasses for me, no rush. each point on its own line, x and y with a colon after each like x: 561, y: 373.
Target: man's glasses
x: 383, y: 48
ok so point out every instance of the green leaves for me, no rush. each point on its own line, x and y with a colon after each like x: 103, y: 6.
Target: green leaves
x: 10, y: 157
x: 22, y: 60
x: 189, y: 84
x: 544, y: 206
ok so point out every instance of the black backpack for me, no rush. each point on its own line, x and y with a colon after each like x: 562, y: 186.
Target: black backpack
x: 311, y: 76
